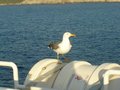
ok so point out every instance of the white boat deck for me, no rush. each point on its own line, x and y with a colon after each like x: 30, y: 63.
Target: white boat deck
x: 3, y: 88
x: 52, y: 74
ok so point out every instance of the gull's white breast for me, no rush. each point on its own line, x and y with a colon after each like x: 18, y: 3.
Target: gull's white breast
x: 63, y: 48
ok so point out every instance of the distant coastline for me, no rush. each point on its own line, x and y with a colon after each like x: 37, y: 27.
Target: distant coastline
x: 20, y: 2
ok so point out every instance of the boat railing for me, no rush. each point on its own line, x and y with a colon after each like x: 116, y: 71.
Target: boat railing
x: 15, y: 72
x: 106, y: 77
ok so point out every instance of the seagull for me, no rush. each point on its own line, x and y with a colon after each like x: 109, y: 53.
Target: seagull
x: 62, y: 47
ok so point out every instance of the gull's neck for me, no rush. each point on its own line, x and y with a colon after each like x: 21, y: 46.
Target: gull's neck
x: 65, y: 40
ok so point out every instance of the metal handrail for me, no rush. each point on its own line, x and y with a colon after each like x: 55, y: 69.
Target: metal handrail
x: 15, y: 71
x: 106, y: 77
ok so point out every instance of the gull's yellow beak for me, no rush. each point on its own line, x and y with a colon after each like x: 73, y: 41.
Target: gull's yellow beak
x: 73, y: 35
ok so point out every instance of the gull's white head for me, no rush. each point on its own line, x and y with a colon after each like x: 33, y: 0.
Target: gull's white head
x: 68, y: 35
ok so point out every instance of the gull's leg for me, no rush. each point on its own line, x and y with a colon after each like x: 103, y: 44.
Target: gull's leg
x: 63, y: 56
x: 57, y: 56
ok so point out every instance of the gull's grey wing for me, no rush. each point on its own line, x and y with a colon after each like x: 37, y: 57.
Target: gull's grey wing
x: 54, y: 45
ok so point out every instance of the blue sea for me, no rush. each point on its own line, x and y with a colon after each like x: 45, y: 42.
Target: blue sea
x: 26, y: 31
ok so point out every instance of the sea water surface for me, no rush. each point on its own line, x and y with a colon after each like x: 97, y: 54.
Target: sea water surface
x: 26, y: 30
